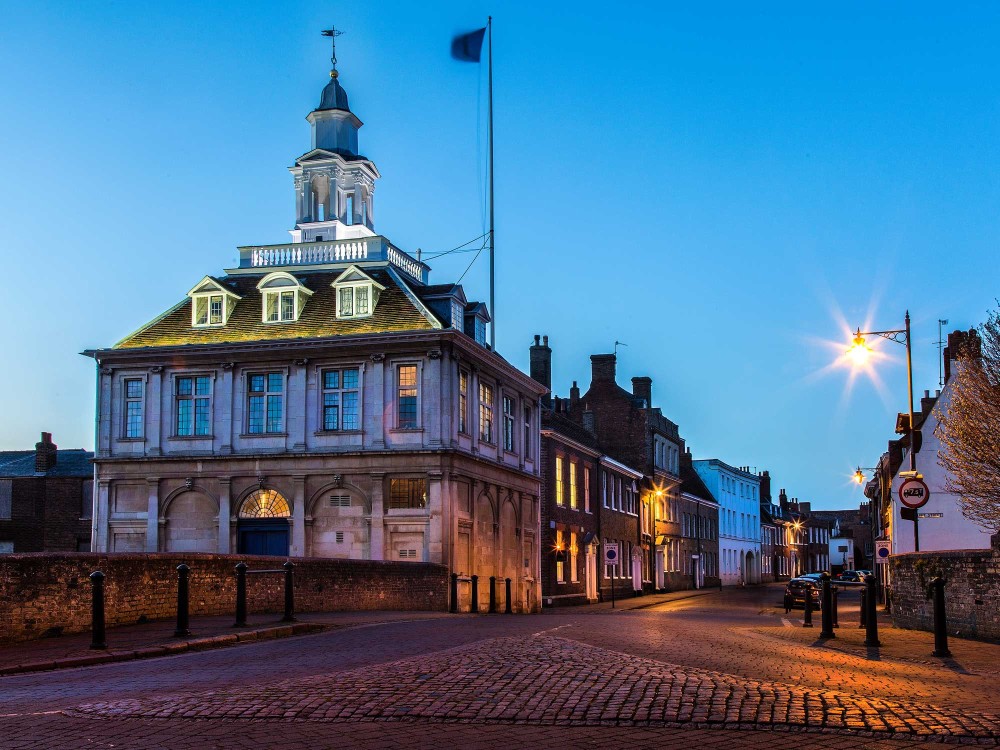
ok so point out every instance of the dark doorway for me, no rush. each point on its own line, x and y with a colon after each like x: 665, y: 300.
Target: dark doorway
x: 263, y: 537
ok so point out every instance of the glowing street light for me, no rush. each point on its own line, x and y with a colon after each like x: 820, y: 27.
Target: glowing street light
x: 859, y: 473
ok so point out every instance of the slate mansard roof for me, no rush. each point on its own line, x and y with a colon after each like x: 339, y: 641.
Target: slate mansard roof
x: 398, y: 309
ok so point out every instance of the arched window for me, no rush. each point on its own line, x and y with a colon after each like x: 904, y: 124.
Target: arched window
x: 265, y: 504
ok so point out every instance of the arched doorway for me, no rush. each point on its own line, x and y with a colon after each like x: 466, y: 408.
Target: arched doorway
x: 749, y: 570
x: 262, y: 528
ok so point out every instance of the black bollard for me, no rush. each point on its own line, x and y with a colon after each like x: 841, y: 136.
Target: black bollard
x: 475, y: 595
x: 493, y: 595
x: 864, y: 609
x: 182, y: 601
x: 826, y: 615
x: 836, y: 607
x: 808, y: 621
x: 289, y: 567
x: 507, y: 607
x: 98, y: 638
x: 454, y: 593
x: 241, y: 595
x: 871, y: 616
x: 940, y: 619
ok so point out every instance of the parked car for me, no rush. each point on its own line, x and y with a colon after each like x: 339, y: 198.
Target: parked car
x: 797, y: 590
x: 850, y: 578
x: 865, y: 572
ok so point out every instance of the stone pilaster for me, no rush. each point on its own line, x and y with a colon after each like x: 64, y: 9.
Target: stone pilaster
x: 153, y: 516
x: 298, y: 547
x: 225, y: 490
x: 377, y: 539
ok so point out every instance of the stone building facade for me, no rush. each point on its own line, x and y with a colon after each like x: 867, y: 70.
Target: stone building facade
x: 737, y: 490
x: 323, y: 399
x: 46, y: 499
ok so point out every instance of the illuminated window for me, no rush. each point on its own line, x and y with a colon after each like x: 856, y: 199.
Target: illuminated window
x: 560, y: 557
x: 573, y: 502
x: 406, y: 397
x: 463, y: 401
x: 485, y: 412
x: 560, y: 499
x: 508, y: 423
x: 407, y: 493
x: 265, y: 504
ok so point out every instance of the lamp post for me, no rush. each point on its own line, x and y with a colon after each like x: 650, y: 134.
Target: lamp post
x: 859, y: 351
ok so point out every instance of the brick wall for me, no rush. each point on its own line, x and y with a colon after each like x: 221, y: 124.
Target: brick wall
x: 49, y: 593
x: 46, y: 514
x: 972, y: 591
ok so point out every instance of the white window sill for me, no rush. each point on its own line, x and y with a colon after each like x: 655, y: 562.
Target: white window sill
x: 190, y: 437
x: 331, y: 433
x: 394, y: 430
x: 246, y: 435
x: 131, y: 440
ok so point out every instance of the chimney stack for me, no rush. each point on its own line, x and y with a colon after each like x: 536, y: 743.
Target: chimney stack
x: 643, y: 388
x: 765, y: 486
x: 45, y: 453
x: 540, y: 358
x: 574, y: 395
x: 961, y: 344
x: 602, y: 367
x: 588, y: 422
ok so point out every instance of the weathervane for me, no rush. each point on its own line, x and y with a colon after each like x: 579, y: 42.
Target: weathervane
x: 333, y: 33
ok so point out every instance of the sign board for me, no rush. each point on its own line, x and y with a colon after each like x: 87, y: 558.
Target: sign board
x: 931, y: 515
x: 611, y: 553
x: 882, y: 552
x: 914, y: 493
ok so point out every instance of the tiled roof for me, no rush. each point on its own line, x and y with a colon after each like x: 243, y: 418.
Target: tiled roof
x: 394, y: 312
x: 74, y: 462
x: 568, y: 428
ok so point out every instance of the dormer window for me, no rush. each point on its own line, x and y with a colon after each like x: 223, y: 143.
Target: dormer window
x: 282, y: 297
x: 211, y: 303
x: 357, y: 294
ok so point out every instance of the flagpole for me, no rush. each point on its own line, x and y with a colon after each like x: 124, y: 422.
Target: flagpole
x: 493, y: 309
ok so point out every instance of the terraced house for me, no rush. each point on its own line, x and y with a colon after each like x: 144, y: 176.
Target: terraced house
x: 323, y: 398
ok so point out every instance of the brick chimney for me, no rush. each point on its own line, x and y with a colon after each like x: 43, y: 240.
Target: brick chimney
x: 602, y: 367
x: 574, y: 395
x: 45, y: 453
x: 540, y: 358
x: 961, y: 344
x: 642, y: 387
x: 588, y: 422
x: 765, y: 485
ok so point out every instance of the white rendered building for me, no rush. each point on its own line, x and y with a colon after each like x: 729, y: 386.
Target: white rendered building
x: 737, y: 490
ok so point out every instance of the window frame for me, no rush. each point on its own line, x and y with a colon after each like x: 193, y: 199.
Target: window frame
x: 487, y: 413
x: 508, y: 421
x: 574, y: 499
x: 398, y: 388
x: 560, y: 488
x: 127, y: 400
x: 411, y: 482
x: 266, y: 394
x: 464, y: 380
x: 193, y: 397
x: 340, y: 390
x: 526, y: 439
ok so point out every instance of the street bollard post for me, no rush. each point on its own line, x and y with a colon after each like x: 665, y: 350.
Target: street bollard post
x: 241, y: 595
x: 183, y: 599
x: 289, y: 568
x: 98, y: 638
x: 508, y: 609
x: 807, y: 622
x: 475, y: 595
x: 826, y: 614
x: 493, y: 595
x: 871, y: 616
x: 836, y: 608
x: 864, y: 609
x: 454, y: 593
x: 940, y: 619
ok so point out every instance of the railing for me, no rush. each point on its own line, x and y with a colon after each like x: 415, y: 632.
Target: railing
x: 336, y: 251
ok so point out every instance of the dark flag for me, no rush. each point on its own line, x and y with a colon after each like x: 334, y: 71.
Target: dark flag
x: 468, y: 47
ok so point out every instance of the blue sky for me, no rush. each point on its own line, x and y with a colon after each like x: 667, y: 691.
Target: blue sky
x: 723, y: 187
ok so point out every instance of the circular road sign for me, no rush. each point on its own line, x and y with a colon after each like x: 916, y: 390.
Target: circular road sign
x: 913, y: 493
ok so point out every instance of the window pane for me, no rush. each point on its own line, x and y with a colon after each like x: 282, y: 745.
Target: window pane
x: 271, y: 300
x: 202, y: 416
x: 288, y: 305
x: 331, y: 411
x: 351, y: 378
x: 184, y: 416
x: 216, y: 309
x: 202, y: 386
x: 256, y: 421
x: 200, y: 311
x: 184, y: 386
x: 407, y: 493
x: 133, y: 425
x: 275, y: 380
x: 274, y: 413
x: 331, y: 379
x: 133, y: 389
x: 346, y: 302
x: 257, y: 383
x: 406, y: 401
x: 361, y: 300
x: 350, y: 415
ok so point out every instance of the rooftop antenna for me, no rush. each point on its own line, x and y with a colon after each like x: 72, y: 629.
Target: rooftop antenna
x: 333, y: 33
x: 941, y: 324
x: 617, y: 344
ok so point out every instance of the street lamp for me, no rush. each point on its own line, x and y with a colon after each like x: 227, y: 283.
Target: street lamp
x: 859, y: 352
x: 859, y: 473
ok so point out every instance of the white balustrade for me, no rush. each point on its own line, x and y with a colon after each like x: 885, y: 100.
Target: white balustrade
x: 313, y: 253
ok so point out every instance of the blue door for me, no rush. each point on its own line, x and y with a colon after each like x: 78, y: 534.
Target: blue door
x: 263, y: 538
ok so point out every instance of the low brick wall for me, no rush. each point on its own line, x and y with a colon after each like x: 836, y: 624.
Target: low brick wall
x: 972, y: 591
x: 44, y: 594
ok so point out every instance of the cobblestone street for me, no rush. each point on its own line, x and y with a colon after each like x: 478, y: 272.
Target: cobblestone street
x: 723, y: 669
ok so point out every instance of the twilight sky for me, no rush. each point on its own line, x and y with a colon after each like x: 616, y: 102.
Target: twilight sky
x: 722, y: 187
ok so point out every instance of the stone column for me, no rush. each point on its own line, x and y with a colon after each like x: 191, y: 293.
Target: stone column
x: 225, y: 402
x: 102, y: 508
x: 153, y: 516
x: 298, y: 547
x: 473, y: 400
x: 436, y: 507
x: 156, y: 419
x: 377, y: 541
x: 225, y: 488
x: 107, y: 409
x: 433, y: 405
x: 374, y: 403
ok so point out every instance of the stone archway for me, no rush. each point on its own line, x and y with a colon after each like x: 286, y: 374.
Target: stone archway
x: 750, y: 569
x: 262, y: 527
x: 191, y: 523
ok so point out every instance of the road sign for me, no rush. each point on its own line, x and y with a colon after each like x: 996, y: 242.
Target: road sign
x: 611, y: 552
x: 882, y: 552
x: 914, y: 493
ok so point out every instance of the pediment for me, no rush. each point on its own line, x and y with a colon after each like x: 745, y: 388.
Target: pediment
x: 209, y: 285
x: 354, y: 275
